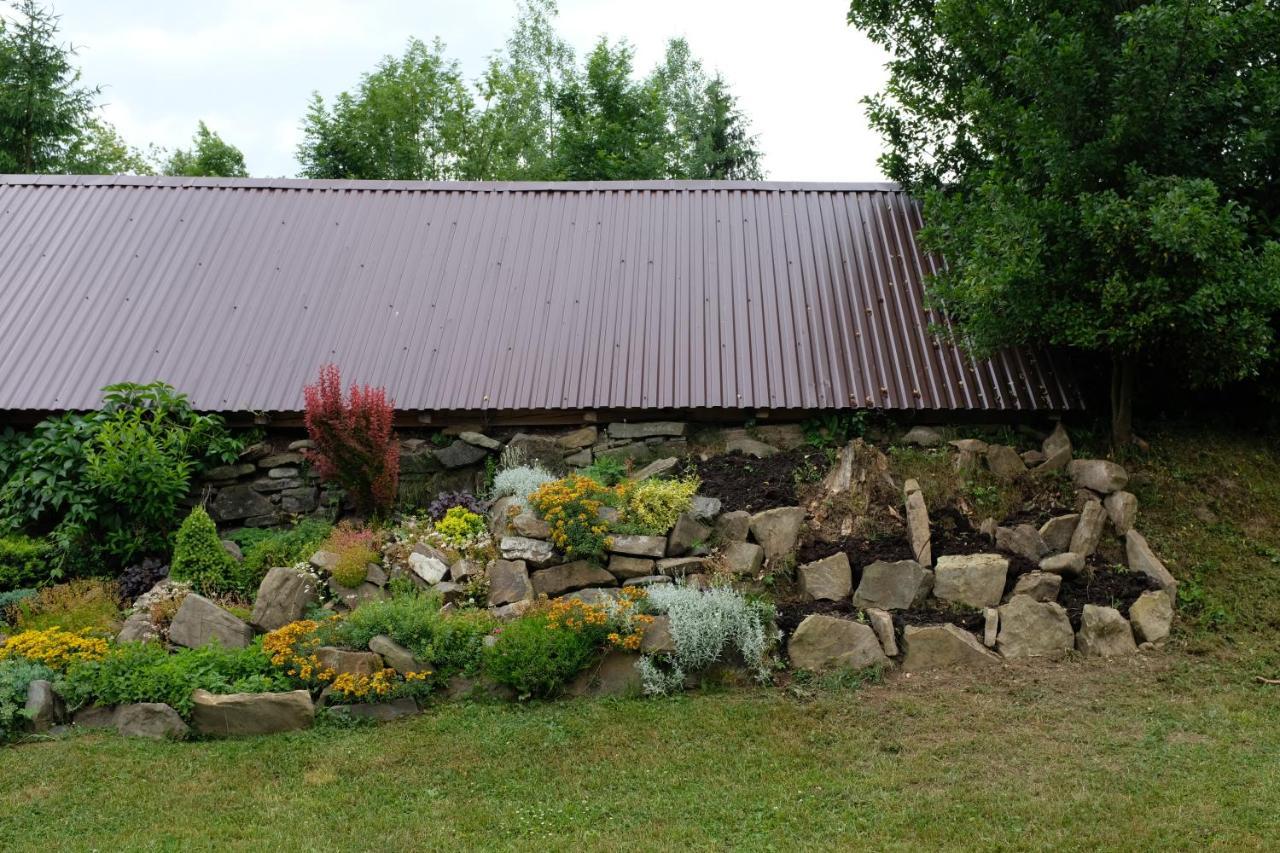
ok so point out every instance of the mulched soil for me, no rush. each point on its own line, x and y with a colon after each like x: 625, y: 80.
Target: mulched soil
x: 743, y: 482
x: 1102, y: 585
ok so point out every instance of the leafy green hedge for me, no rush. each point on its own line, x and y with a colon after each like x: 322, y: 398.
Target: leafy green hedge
x: 25, y: 561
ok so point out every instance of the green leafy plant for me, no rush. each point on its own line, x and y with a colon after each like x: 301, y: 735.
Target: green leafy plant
x: 86, y: 604
x: 606, y: 470
x: 571, y: 508
x: 355, y: 549
x: 264, y: 549
x: 16, y: 675
x: 25, y: 561
x: 653, y: 506
x: 835, y: 429
x: 200, y: 558
x: 536, y: 659
x: 8, y: 602
x: 460, y: 526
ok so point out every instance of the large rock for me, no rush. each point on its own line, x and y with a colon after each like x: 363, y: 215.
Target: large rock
x: 459, y: 454
x: 138, y: 628
x: 973, y: 579
x: 1141, y: 559
x: 1100, y: 475
x: 614, y: 675
x: 1151, y: 616
x: 622, y: 567
x: 535, y: 552
x: 43, y: 706
x: 379, y: 712
x: 1057, y: 532
x: 657, y: 637
x: 153, y: 720
x: 680, y: 566
x: 1042, y: 586
x: 687, y: 534
x: 749, y: 447
x: 509, y: 582
x: 635, y: 545
x: 922, y: 436
x: 733, y: 526
x: 1063, y: 564
x: 395, y: 655
x: 918, y: 523
x: 429, y: 569
x: 656, y: 468
x: 825, y: 642
x: 1004, y: 462
x: 346, y: 662
x: 1104, y: 633
x: 890, y: 586
x: 650, y: 429
x: 569, y: 577
x: 1057, y: 443
x: 703, y: 508
x: 283, y: 596
x: 1023, y: 540
x: 199, y: 622
x: 481, y: 440
x: 237, y: 502
x: 743, y: 558
x: 828, y: 579
x: 777, y: 530
x: 1030, y: 628
x: 579, y: 438
x: 250, y: 713
x: 1093, y: 519
x: 882, y: 624
x: 940, y: 646
x: 1122, y: 509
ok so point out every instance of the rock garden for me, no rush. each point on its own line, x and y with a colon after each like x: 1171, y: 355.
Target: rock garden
x: 360, y: 574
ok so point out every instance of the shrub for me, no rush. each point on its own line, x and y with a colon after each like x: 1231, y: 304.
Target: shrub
x: 571, y: 507
x: 292, y: 648
x: 654, y: 505
x: 704, y: 626
x: 109, y: 484
x: 147, y: 672
x: 25, y: 561
x: 265, y: 549
x: 519, y: 482
x: 536, y: 658
x: 81, y: 605
x: 607, y: 471
x: 446, y: 501
x: 16, y: 675
x: 354, y: 443
x: 199, y: 557
x: 355, y: 549
x: 460, y: 526
x: 9, y: 600
x: 55, y: 648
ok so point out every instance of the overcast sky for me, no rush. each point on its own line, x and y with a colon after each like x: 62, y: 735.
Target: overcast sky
x: 247, y: 67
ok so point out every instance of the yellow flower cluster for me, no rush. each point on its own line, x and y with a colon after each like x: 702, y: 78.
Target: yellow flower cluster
x: 625, y: 627
x: 293, y: 648
x: 571, y: 508
x: 655, y: 505
x: 55, y: 648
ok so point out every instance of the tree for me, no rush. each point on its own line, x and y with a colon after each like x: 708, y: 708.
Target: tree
x: 1104, y: 177
x: 99, y: 150
x: 408, y: 120
x: 43, y: 107
x: 210, y: 156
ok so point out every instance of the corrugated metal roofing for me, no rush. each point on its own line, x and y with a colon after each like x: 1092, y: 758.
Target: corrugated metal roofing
x: 484, y: 296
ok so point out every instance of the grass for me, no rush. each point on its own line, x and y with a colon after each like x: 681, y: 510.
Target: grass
x: 1177, y: 750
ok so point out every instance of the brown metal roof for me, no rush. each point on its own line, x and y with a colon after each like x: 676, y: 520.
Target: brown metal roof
x: 484, y: 296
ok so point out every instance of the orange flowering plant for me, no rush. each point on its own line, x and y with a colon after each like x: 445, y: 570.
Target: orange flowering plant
x: 293, y: 648
x: 616, y: 622
x: 571, y: 506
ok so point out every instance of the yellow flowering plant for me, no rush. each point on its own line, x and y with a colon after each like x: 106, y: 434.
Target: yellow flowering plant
x: 653, y: 506
x: 571, y: 507
x: 55, y: 648
x: 293, y: 649
x: 617, y: 623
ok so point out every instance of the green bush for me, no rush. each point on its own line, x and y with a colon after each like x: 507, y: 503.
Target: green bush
x: 536, y: 659
x: 9, y: 601
x: 81, y: 605
x: 16, y: 674
x: 25, y: 561
x: 448, y: 643
x: 199, y: 557
x: 264, y: 549
x: 607, y: 471
x: 146, y: 672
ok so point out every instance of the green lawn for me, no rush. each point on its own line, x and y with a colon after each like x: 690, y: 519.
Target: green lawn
x: 1176, y: 750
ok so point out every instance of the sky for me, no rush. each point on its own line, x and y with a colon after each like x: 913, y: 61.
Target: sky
x: 248, y: 67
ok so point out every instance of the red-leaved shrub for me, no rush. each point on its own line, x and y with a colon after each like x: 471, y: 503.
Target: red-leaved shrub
x: 354, y: 443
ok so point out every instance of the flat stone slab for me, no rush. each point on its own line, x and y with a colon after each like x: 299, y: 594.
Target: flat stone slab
x: 1100, y: 475
x: 250, y: 713
x: 821, y: 643
x: 199, y: 622
x: 638, y: 546
x: 890, y: 586
x: 973, y: 579
x: 943, y: 646
x: 828, y: 579
x: 1030, y: 628
x: 777, y: 530
x: 569, y: 577
x: 535, y: 552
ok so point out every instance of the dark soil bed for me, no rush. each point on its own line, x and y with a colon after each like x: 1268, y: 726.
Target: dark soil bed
x: 1104, y: 586
x: 743, y: 482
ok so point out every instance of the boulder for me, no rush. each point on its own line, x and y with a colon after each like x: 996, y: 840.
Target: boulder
x: 1004, y: 462
x: 680, y: 566
x: 451, y: 592
x: 325, y: 561
x: 514, y: 610
x: 226, y: 473
x: 501, y: 513
x: 351, y: 598
x: 1151, y: 616
x: 973, y: 579
x: 1031, y: 458
x: 777, y: 530
x: 1023, y: 540
x: 199, y: 622
x: 824, y: 643
x: 749, y: 447
x: 395, y: 655
x: 1057, y: 443
x: 1063, y: 564
x: 1099, y: 475
x: 479, y: 439
x: 43, y: 707
x: 431, y: 570
x: 233, y: 549
x: 656, y: 468
x: 1093, y: 518
x: 686, y: 535
x: 347, y: 662
x: 381, y: 712
x: 94, y: 717
x: 1056, y: 532
x: 703, y: 508
x: 1030, y: 628
x: 922, y: 436
x: 283, y: 596
x: 623, y: 567
x: 657, y: 637
x: 153, y: 720
x: 569, y: 577
x: 138, y: 628
x: 828, y: 579
x: 579, y: 438
x: 237, y: 502
x: 918, y: 524
x: 647, y: 580
x: 509, y: 582
x: 459, y: 454
x: 535, y: 552
x: 638, y: 546
x: 650, y: 429
x: 528, y: 525
x: 743, y: 558
x: 595, y: 595
x: 250, y: 713
x: 581, y: 459
x: 614, y: 675
x: 464, y: 570
x: 890, y: 586
x: 1054, y: 462
x: 1104, y: 633
x: 1141, y: 559
x: 279, y: 460
x: 882, y: 624
x: 1122, y: 509
x: 943, y: 646
x: 1042, y: 586
x: 733, y: 526
x: 975, y: 446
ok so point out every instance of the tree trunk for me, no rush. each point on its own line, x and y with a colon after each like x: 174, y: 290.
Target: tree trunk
x: 1122, y: 369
